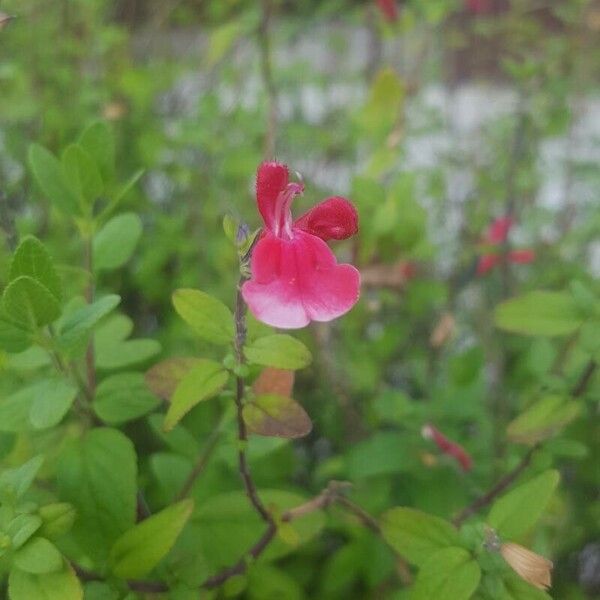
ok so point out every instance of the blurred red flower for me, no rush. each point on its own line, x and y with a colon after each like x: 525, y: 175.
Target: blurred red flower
x: 496, y: 235
x: 389, y: 9
x: 479, y: 7
x: 295, y: 276
x: 448, y: 447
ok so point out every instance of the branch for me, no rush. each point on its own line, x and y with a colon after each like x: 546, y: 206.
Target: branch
x: 578, y: 390
x: 244, y: 468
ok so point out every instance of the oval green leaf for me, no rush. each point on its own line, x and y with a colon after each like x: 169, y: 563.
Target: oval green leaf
x: 278, y: 350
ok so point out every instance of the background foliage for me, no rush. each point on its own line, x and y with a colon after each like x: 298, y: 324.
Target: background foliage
x: 129, y: 130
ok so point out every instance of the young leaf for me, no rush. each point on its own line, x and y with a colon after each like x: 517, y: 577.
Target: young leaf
x: 99, y: 143
x: 208, y: 317
x: 123, y: 397
x: 52, y: 180
x: 276, y: 416
x: 164, y: 377
x: 116, y: 241
x: 78, y: 324
x: 542, y: 420
x: 53, y: 400
x: 447, y: 573
x: 21, y: 528
x: 83, y: 175
x: 15, y: 410
x: 517, y: 511
x: 140, y: 549
x: 12, y: 337
x: 415, y: 534
x: 205, y: 380
x: 280, y: 351
x: 57, y: 519
x: 38, y: 556
x: 539, y: 313
x: 32, y: 259
x: 98, y: 475
x: 15, y: 482
x: 29, y: 303
x: 62, y: 585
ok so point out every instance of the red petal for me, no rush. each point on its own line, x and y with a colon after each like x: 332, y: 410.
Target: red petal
x: 271, y: 179
x: 297, y: 281
x: 487, y: 263
x: 332, y: 219
x: 498, y: 231
x: 521, y: 256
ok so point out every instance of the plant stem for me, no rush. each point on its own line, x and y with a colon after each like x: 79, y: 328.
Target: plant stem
x: 244, y: 468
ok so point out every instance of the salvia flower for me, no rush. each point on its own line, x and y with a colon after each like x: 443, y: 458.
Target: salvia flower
x: 528, y: 565
x: 389, y: 9
x: 295, y: 275
x: 496, y: 235
x: 448, y: 447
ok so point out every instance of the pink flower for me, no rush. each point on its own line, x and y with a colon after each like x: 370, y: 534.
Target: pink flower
x: 389, y: 9
x: 295, y: 276
x: 496, y: 235
x: 479, y: 7
x: 448, y: 447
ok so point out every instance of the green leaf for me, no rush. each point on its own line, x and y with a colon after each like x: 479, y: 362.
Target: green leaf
x: 383, y: 106
x: 276, y: 416
x: 205, y: 380
x: 79, y: 324
x: 208, y: 317
x: 123, y: 397
x: 38, y: 556
x: 29, y: 303
x: 278, y: 350
x: 226, y: 526
x: 140, y: 549
x: 127, y: 187
x: 53, y: 182
x: 447, y: 573
x: 53, y: 401
x: 32, y: 259
x: 415, y: 534
x: 15, y: 410
x: 21, y: 528
x: 99, y: 143
x: 12, y: 337
x: 83, y: 175
x: 517, y: 511
x: 14, y: 483
x: 519, y: 589
x: 542, y: 420
x: 98, y: 475
x: 539, y: 313
x: 164, y: 377
x: 115, y: 243
x: 57, y: 519
x: 62, y: 585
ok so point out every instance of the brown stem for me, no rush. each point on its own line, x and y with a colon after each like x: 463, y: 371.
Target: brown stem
x: 487, y: 498
x: 496, y: 490
x: 244, y: 468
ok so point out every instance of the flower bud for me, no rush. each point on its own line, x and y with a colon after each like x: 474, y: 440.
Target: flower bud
x: 528, y: 565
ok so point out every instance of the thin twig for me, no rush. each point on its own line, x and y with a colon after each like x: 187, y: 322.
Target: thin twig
x: 584, y: 379
x: 244, y: 468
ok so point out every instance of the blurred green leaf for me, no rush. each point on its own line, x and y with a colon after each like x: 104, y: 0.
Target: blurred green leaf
x: 52, y: 401
x: 98, y: 142
x: 115, y: 243
x: 517, y: 511
x: 140, y: 549
x: 542, y: 420
x: 123, y: 397
x: 383, y: 106
x: 205, y: 380
x: 281, y: 351
x: 62, y: 585
x: 276, y: 416
x: 14, y: 483
x: 98, y: 475
x: 164, y: 377
x: 208, y: 317
x: 447, y: 573
x: 57, y: 519
x: 29, y: 303
x: 417, y: 535
x: 53, y: 182
x: 38, y: 556
x: 539, y: 313
x: 21, y: 528
x: 32, y: 259
x: 83, y: 175
x: 12, y: 337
